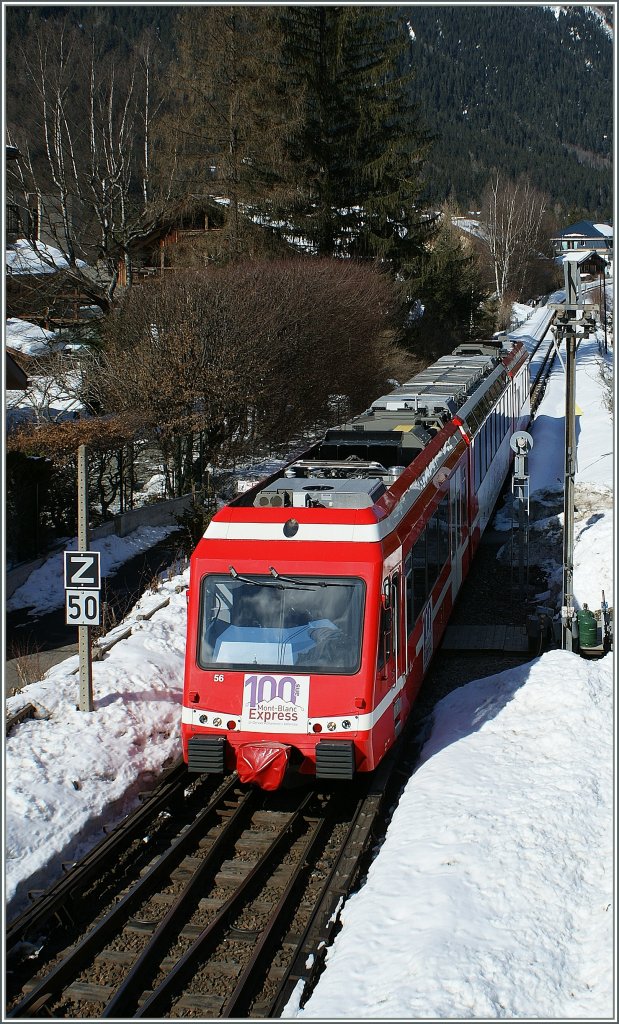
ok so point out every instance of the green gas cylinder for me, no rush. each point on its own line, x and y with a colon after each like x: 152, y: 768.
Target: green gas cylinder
x: 587, y: 628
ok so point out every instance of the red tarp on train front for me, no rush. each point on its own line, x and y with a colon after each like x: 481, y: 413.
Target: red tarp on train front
x: 263, y: 763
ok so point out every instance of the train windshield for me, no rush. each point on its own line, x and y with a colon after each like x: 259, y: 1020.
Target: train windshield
x: 306, y: 621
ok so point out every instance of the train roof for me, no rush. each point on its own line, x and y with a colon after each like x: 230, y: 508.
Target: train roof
x: 442, y: 386
x: 353, y: 465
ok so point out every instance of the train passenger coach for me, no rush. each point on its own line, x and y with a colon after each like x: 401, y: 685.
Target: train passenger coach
x: 318, y: 597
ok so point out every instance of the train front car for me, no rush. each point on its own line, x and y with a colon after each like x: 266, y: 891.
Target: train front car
x: 281, y: 646
x: 318, y: 597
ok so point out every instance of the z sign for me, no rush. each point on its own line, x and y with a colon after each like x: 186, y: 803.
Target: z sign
x: 82, y: 569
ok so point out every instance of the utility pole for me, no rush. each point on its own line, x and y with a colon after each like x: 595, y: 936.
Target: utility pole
x: 571, y: 314
x: 83, y: 632
x: 521, y: 444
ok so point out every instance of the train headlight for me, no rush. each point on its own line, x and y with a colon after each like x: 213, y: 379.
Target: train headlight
x: 331, y: 726
x: 217, y: 722
x: 345, y: 724
x: 203, y: 719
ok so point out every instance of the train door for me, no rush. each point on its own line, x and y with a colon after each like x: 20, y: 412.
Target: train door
x: 399, y: 646
x: 392, y: 649
x: 398, y: 614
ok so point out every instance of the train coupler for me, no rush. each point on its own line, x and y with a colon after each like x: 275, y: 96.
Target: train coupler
x: 263, y: 762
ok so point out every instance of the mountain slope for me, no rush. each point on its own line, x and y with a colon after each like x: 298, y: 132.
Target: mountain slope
x: 524, y: 89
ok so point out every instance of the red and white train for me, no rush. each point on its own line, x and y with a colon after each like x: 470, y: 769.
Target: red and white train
x: 318, y: 597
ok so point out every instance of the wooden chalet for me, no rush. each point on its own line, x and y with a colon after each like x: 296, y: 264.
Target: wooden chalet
x: 588, y: 262
x: 187, y: 236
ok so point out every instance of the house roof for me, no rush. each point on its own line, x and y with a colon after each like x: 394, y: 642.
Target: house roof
x: 579, y: 256
x: 585, y: 229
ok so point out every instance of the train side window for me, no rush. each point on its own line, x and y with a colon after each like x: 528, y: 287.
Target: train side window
x: 432, y: 550
x: 408, y: 576
x: 477, y: 461
x: 443, y: 531
x: 420, y: 579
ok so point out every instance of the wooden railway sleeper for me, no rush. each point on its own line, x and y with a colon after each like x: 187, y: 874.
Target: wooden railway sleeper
x: 211, y: 934
x: 53, y: 982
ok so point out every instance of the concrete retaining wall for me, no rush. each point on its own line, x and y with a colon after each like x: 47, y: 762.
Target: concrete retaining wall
x: 161, y: 513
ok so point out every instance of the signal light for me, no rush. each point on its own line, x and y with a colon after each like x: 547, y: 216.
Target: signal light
x: 231, y: 725
x: 317, y: 727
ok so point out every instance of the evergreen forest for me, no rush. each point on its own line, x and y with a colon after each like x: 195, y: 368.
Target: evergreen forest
x: 522, y: 89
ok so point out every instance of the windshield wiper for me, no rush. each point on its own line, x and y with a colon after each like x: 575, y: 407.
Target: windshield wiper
x: 303, y: 582
x: 245, y: 579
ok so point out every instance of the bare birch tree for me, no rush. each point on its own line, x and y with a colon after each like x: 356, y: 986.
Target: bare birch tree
x: 512, y: 218
x: 90, y: 166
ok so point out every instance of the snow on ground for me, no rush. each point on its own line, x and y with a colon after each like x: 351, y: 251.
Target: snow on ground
x: 69, y: 772
x: 44, y: 591
x: 45, y: 398
x: 492, y: 894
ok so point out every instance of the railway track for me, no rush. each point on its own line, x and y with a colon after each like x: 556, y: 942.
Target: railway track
x: 206, y: 902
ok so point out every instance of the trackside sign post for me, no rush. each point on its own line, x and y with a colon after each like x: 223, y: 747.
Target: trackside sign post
x: 82, y: 582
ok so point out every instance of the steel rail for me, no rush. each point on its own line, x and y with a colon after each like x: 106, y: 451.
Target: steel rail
x: 237, y: 1004
x: 323, y: 921
x: 213, y: 932
x: 125, y: 999
x: 59, y: 976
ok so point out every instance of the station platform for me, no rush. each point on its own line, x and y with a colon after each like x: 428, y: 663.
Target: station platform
x: 508, y: 639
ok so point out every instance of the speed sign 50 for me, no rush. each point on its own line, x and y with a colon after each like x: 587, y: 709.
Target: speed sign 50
x: 82, y: 607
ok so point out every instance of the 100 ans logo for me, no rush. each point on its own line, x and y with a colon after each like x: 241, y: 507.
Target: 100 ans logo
x: 275, y: 699
x: 268, y: 687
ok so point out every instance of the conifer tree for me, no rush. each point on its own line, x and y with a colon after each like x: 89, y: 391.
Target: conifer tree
x: 358, y: 155
x: 232, y: 113
x: 450, y: 291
